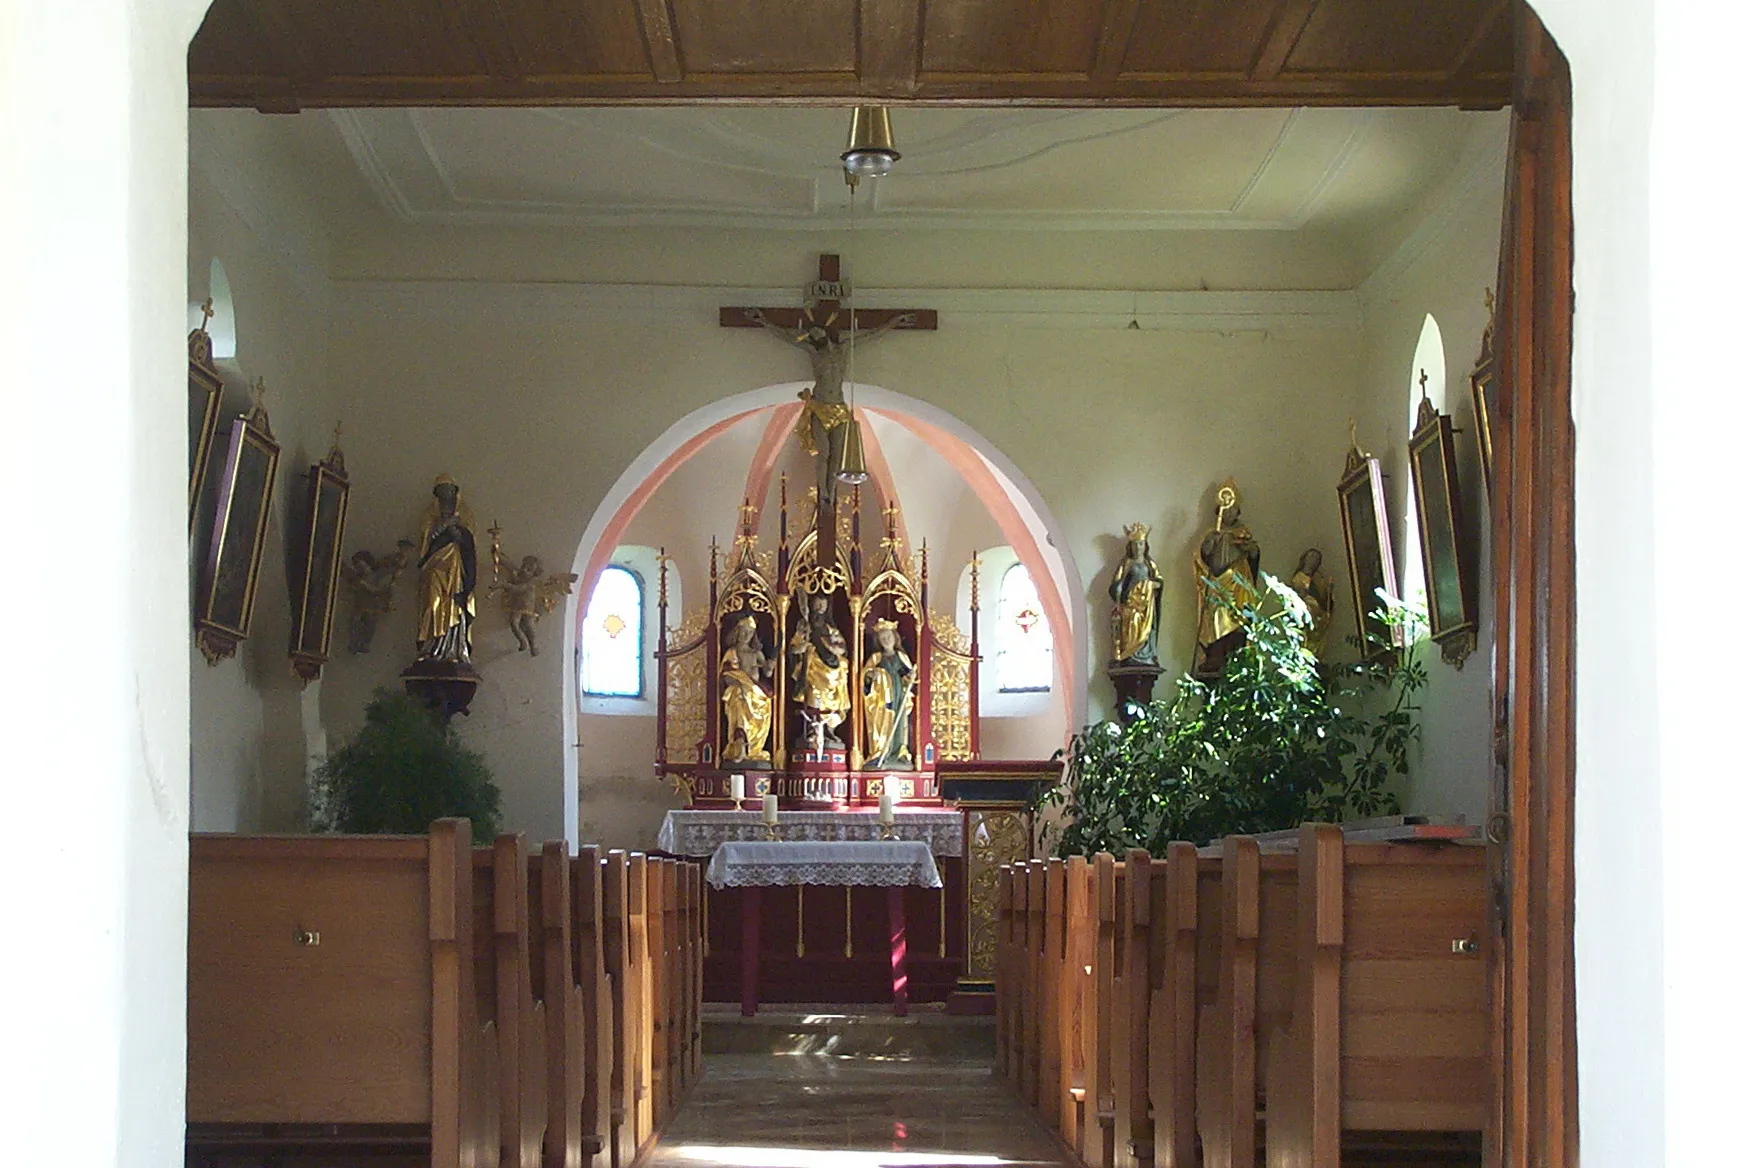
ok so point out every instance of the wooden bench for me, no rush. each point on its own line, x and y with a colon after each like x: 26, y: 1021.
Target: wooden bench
x: 553, y: 962
x: 332, y: 999
x: 597, y: 1007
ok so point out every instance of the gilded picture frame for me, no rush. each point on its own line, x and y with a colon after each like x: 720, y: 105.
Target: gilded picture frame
x: 205, y: 388
x: 1450, y: 575
x: 317, y: 546
x: 1368, y: 546
x: 1482, y: 379
x: 227, y: 592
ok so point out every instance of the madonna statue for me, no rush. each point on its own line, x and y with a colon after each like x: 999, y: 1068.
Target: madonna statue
x: 447, y: 562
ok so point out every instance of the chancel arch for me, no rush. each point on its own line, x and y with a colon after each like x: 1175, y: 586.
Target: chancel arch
x: 938, y: 483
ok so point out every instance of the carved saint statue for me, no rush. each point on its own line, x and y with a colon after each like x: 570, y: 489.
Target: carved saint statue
x: 819, y: 676
x: 745, y: 697
x: 1136, y: 602
x: 1226, y: 567
x: 371, y: 580
x: 447, y: 562
x: 1315, y: 589
x: 887, y: 681
x: 527, y: 594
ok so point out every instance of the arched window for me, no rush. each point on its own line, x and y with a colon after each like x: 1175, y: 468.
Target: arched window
x: 612, y: 636
x: 1023, y: 635
x: 1429, y: 376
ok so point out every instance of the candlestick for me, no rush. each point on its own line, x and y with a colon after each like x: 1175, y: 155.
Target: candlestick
x: 736, y: 788
x: 770, y: 809
x: 886, y: 817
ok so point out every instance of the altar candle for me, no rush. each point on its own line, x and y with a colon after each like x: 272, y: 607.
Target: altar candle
x: 737, y: 785
x: 890, y: 786
x: 769, y: 809
x: 886, y: 810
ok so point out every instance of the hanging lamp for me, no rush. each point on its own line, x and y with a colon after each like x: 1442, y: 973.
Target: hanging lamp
x: 870, y: 153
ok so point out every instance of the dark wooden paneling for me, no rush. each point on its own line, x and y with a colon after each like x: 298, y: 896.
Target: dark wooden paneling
x: 283, y: 54
x: 1180, y: 38
x: 721, y: 37
x: 1004, y: 37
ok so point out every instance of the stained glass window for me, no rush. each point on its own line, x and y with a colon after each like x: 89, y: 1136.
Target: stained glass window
x: 1023, y: 635
x: 611, y: 636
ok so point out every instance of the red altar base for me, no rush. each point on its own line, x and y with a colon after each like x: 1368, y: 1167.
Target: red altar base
x: 802, y: 934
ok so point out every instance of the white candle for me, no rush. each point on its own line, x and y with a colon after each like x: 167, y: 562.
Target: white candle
x: 737, y: 785
x: 890, y: 785
x: 769, y: 809
x: 886, y: 810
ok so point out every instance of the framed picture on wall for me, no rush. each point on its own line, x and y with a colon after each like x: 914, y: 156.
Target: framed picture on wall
x: 1362, y: 506
x: 204, y: 413
x: 228, y: 589
x: 317, y: 546
x: 1450, y: 578
x: 1481, y: 378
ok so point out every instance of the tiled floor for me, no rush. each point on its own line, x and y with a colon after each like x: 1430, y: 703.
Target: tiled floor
x: 782, y: 1111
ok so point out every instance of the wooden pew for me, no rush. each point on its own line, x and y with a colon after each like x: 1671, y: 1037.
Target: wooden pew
x: 332, y: 1004
x: 553, y: 941
x: 1390, y: 1015
x: 625, y: 1022
x: 1010, y: 944
x: 596, y: 1007
x: 501, y: 900
x: 1053, y: 1085
x: 1173, y: 1008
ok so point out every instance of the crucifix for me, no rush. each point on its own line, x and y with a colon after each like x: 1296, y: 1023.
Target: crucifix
x: 826, y: 331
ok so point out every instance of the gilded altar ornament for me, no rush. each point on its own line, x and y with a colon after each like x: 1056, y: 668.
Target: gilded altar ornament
x: 888, y: 683
x: 1315, y: 589
x: 1226, y: 570
x: 447, y: 562
x: 1136, y: 595
x: 819, y: 676
x: 527, y: 594
x: 745, y: 698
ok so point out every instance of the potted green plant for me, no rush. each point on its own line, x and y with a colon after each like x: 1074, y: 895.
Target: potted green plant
x: 403, y: 770
x: 1277, y: 740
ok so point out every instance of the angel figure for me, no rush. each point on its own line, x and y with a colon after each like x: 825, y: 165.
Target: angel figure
x: 370, y: 581
x: 527, y: 595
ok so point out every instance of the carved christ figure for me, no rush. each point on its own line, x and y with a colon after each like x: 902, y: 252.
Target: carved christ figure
x: 824, y: 408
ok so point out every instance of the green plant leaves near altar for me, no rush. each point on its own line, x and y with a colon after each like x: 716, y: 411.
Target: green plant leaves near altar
x: 404, y: 770
x: 1278, y: 740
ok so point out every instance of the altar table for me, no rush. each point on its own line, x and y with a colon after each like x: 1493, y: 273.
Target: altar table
x: 699, y: 833
x: 756, y: 864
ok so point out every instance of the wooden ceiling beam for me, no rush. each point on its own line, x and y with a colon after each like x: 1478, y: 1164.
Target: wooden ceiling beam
x: 1497, y: 13
x: 1281, y: 40
x: 655, y: 17
x: 274, y: 30
x: 1117, y: 24
x: 889, y: 40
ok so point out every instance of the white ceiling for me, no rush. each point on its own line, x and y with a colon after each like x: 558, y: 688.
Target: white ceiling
x: 1045, y: 169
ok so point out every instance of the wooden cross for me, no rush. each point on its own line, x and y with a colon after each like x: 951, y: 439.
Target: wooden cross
x: 825, y: 310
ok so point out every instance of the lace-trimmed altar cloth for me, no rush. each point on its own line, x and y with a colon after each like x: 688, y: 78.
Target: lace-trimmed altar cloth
x: 886, y: 863
x: 699, y: 833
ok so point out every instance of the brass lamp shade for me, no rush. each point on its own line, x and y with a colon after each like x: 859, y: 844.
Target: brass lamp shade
x: 848, y: 462
x: 871, y: 152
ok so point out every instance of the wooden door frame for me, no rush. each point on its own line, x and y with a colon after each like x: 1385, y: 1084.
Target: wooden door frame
x: 1532, y: 1117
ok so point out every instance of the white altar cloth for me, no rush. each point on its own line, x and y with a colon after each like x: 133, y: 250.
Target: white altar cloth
x: 699, y: 833
x: 887, y: 863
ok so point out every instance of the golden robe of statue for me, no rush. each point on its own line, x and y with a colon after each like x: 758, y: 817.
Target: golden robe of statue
x: 1226, y: 569
x: 887, y: 677
x: 447, y: 561
x: 1136, y: 594
x: 745, y: 702
x: 827, y: 682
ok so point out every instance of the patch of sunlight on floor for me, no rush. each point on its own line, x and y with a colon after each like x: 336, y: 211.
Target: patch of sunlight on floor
x: 753, y: 1157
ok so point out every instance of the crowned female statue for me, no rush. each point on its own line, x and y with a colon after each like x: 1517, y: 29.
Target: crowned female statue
x: 1136, y: 597
x: 887, y: 680
x: 745, y: 699
x: 1226, y: 567
x: 447, y: 562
